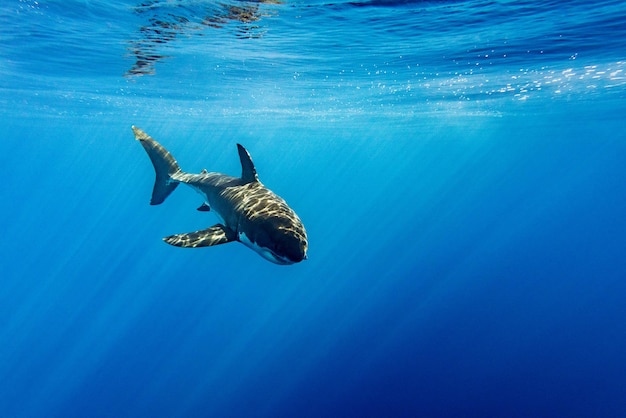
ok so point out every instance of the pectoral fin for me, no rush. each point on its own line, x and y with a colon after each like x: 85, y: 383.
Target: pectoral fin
x: 215, y: 235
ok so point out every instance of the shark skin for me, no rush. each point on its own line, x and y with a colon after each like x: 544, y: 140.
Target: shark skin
x: 249, y: 212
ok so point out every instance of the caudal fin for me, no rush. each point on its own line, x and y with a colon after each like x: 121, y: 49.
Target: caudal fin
x: 164, y: 165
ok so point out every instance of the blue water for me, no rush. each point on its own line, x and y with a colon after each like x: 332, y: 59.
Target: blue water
x: 459, y: 167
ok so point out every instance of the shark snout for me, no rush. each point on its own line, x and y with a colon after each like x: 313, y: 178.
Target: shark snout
x: 295, y: 249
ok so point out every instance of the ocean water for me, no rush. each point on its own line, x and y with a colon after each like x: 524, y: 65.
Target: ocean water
x: 459, y: 166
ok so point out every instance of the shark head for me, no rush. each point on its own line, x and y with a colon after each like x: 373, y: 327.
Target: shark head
x: 278, y: 242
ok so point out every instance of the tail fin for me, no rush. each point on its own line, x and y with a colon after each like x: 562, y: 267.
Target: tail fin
x: 164, y: 165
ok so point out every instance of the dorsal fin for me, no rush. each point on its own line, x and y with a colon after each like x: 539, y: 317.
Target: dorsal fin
x: 248, y: 172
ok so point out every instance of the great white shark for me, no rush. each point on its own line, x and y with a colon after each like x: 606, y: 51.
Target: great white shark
x: 249, y: 212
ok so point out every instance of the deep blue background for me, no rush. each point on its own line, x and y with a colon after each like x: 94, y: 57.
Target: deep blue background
x: 460, y: 173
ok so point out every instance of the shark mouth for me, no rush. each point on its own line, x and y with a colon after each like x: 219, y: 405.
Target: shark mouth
x: 263, y: 251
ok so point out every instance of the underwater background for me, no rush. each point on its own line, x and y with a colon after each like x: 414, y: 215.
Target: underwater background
x: 459, y: 166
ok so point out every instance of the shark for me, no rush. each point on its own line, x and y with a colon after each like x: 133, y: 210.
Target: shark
x: 248, y: 211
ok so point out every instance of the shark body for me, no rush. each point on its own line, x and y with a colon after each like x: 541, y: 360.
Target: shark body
x: 249, y: 212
